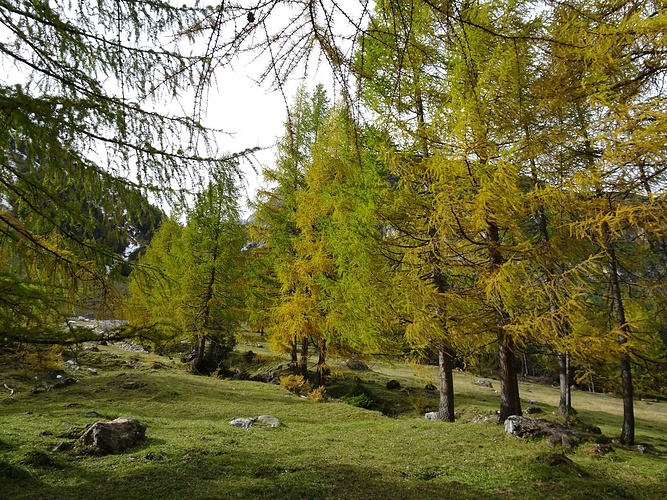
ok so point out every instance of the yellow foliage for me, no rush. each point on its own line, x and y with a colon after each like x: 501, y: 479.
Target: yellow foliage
x: 296, y: 384
x: 318, y: 395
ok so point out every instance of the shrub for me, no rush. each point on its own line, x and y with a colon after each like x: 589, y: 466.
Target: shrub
x: 43, y: 359
x: 318, y: 395
x: 393, y: 384
x: 421, y: 404
x: 359, y: 396
x: 360, y: 400
x: 249, y: 357
x: 217, y: 353
x: 295, y: 383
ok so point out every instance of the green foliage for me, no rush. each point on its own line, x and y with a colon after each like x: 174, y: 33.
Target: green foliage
x: 81, y: 145
x: 362, y: 400
x: 359, y: 396
x: 421, y: 404
x: 189, y: 282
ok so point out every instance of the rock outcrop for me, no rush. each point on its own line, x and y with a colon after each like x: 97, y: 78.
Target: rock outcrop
x: 557, y: 434
x: 114, y: 436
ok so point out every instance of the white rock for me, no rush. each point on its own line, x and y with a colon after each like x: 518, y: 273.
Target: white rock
x: 246, y: 423
x: 269, y: 420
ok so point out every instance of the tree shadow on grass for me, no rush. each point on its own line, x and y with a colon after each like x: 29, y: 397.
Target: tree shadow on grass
x: 221, y: 474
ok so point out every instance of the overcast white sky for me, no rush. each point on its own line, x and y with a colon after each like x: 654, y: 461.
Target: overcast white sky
x: 253, y: 115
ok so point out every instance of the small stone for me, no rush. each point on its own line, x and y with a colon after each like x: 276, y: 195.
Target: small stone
x: 71, y: 364
x: 532, y: 410
x: 92, y: 414
x: 561, y: 439
x: 91, y: 348
x: 557, y: 434
x: 268, y: 420
x: 65, y: 382
x: 355, y: 364
x: 644, y: 448
x: 431, y: 416
x: 246, y: 423
x: 484, y: 383
x: 46, y: 433
x: 554, y: 459
x: 92, y: 371
x: 114, y: 436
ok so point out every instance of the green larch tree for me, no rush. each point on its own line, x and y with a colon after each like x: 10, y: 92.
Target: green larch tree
x: 276, y: 232
x: 79, y: 105
x: 189, y: 284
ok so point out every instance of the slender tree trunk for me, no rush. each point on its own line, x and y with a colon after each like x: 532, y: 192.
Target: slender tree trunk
x: 565, y: 403
x: 510, y: 402
x: 321, y: 365
x: 303, y: 360
x: 198, y: 361
x: 294, y: 356
x: 628, y: 428
x: 446, y: 409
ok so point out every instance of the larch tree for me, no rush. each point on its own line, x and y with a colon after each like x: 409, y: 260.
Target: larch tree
x: 276, y: 231
x: 610, y: 59
x: 480, y: 197
x: 213, y: 240
x: 79, y: 99
x: 401, y: 69
x: 189, y: 284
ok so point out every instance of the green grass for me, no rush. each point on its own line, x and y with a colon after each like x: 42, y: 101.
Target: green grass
x: 323, y: 450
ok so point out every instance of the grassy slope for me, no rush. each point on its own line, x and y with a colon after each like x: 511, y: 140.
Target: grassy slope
x: 329, y: 450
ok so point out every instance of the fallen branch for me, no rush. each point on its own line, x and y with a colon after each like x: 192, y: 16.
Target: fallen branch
x: 11, y: 391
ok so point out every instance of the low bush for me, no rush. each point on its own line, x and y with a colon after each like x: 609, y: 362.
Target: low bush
x: 318, y: 395
x: 360, y: 400
x: 393, y: 384
x: 421, y: 404
x: 296, y: 384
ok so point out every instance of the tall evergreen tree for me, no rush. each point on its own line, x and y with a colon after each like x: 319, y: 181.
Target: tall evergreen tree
x: 78, y: 107
x: 275, y: 228
x: 189, y: 283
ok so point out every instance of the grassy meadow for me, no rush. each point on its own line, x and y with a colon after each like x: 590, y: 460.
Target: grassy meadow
x: 322, y: 451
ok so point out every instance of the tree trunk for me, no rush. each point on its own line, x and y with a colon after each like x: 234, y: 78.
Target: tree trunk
x: 198, y: 361
x: 303, y: 360
x: 294, y: 356
x: 321, y: 365
x: 510, y: 402
x: 565, y: 403
x: 446, y: 409
x: 628, y: 428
